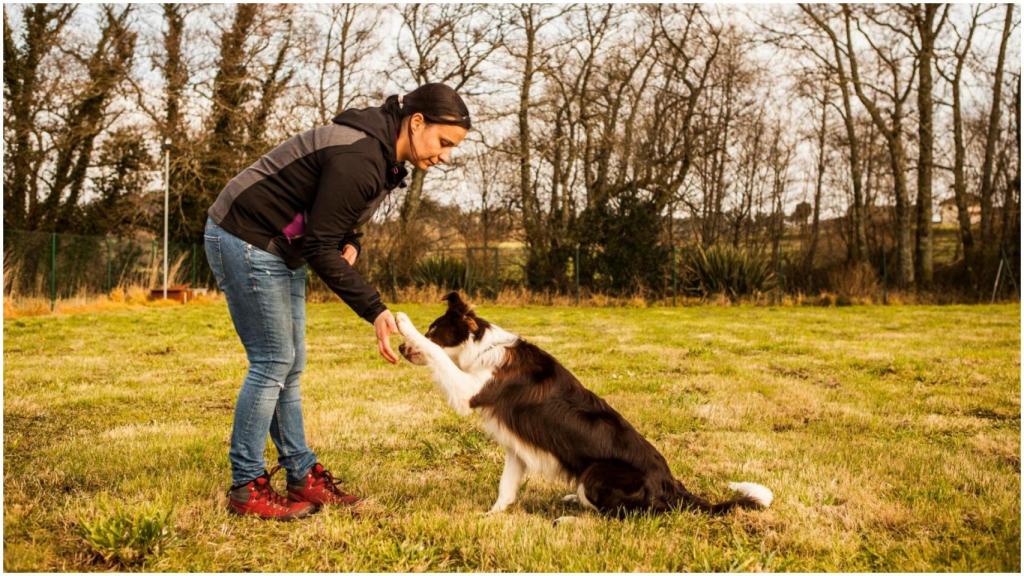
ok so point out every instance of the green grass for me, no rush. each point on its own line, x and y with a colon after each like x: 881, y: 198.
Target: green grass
x: 890, y: 435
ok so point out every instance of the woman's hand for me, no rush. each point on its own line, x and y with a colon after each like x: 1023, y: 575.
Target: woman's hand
x: 349, y: 254
x: 385, y: 326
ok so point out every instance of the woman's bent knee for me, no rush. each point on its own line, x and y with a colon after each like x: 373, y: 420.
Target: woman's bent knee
x: 270, y: 373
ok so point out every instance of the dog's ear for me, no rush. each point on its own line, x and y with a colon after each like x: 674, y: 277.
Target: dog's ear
x: 456, y: 304
x: 471, y: 323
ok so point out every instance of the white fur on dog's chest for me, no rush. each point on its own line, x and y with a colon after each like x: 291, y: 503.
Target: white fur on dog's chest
x: 537, y: 461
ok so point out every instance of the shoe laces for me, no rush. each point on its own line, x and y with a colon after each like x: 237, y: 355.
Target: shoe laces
x: 327, y: 479
x: 268, y: 492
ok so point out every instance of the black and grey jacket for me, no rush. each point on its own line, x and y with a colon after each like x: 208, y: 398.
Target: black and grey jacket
x: 304, y: 199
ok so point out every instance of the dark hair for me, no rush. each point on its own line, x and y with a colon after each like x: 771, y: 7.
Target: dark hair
x: 438, y: 103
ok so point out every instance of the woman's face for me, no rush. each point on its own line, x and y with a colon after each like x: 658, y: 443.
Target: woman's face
x: 432, y: 143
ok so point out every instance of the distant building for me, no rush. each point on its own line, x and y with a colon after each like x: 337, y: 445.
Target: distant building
x: 948, y: 210
x: 945, y: 215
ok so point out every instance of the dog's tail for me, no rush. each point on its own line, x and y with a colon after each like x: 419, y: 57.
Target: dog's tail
x: 749, y: 495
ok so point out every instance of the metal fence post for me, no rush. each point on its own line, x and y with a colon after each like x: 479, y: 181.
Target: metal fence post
x: 885, y: 279
x: 109, y: 267
x: 576, y: 267
x: 995, y: 286
x: 1009, y: 269
x: 675, y: 263
x: 53, y: 271
x: 368, y: 262
x: 394, y: 287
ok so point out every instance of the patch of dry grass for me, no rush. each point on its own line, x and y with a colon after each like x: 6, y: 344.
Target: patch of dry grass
x: 890, y: 435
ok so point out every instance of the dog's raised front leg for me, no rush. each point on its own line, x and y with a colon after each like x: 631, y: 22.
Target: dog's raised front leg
x: 511, y: 480
x: 457, y: 385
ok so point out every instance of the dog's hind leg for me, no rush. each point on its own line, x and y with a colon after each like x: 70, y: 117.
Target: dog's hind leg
x: 511, y: 480
x: 612, y: 486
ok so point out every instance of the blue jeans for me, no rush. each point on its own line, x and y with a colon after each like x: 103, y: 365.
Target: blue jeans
x: 267, y: 302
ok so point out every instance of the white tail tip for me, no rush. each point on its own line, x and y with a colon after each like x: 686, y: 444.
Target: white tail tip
x: 755, y: 492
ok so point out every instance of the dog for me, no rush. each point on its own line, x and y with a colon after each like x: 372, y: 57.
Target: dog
x: 547, y: 422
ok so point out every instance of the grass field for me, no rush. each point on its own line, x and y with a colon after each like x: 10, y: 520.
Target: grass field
x: 890, y: 435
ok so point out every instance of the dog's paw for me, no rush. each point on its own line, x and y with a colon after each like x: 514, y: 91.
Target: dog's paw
x: 404, y: 324
x: 571, y: 499
x: 496, y: 510
x: 565, y: 520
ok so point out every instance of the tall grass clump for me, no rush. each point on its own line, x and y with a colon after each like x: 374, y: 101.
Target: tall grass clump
x: 854, y: 283
x: 442, y: 272
x: 727, y: 271
x: 127, y: 539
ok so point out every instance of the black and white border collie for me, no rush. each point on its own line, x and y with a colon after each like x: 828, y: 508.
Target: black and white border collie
x: 547, y: 422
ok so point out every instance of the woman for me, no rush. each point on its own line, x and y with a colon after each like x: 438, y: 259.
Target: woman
x: 302, y: 203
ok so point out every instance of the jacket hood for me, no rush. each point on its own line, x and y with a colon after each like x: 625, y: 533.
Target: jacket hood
x: 382, y: 126
x: 375, y: 122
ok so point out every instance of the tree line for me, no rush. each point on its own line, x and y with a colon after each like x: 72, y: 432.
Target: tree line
x: 816, y: 138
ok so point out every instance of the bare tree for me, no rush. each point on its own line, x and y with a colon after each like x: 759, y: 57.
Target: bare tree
x: 174, y: 69
x: 440, y: 43
x: 107, y: 67
x: 272, y: 78
x: 781, y: 155
x: 960, y: 57
x: 822, y: 134
x: 523, y: 45
x: 923, y: 18
x: 690, y: 53
x: 720, y: 115
x: 350, y: 39
x: 231, y: 90
x: 254, y: 69
x: 838, y: 63
x: 991, y: 134
x: 751, y: 174
x: 1011, y: 198
x: 891, y: 127
x: 24, y: 96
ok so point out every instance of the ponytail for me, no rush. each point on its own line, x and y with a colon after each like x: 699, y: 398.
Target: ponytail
x: 438, y: 103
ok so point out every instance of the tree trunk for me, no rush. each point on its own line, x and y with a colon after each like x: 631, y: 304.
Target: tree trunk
x: 348, y: 16
x: 230, y: 92
x: 175, y: 74
x: 923, y: 240
x: 904, y: 244
x: 897, y: 156
x: 175, y: 79
x: 1011, y: 204
x: 815, y: 224
x: 959, y: 160
x: 858, y: 247
x: 987, y: 180
x: 527, y: 196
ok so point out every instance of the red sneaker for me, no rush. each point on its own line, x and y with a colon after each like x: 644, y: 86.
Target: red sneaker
x: 259, y: 498
x: 319, y: 488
